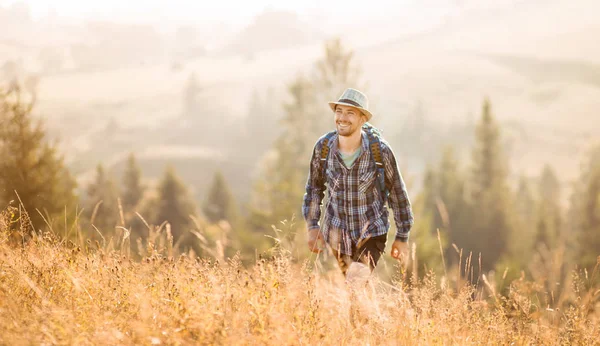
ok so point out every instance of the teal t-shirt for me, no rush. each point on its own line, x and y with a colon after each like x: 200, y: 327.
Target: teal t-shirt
x: 350, y: 158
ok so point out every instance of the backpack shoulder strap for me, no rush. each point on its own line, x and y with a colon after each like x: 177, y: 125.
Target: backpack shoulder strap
x: 325, y: 150
x: 325, y: 146
x: 376, y: 154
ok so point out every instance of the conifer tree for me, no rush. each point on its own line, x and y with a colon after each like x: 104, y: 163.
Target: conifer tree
x: 30, y: 165
x: 525, y: 204
x: 551, y: 259
x: 451, y: 206
x: 521, y: 242
x: 489, y: 193
x: 279, y: 192
x: 335, y: 71
x: 220, y: 203
x: 102, y: 203
x: 262, y: 111
x: 132, y: 201
x: 586, y: 211
x: 174, y: 205
x: 549, y: 220
x: 133, y: 190
x: 428, y: 254
x: 307, y: 117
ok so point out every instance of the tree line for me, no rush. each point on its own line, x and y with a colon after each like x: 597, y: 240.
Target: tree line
x: 474, y: 207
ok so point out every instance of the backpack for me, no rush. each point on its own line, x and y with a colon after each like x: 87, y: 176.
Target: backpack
x: 374, y: 136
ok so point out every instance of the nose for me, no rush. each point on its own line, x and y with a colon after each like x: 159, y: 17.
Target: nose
x: 343, y: 115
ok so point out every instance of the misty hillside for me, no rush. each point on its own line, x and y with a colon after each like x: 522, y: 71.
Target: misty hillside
x: 541, y: 78
x: 272, y: 30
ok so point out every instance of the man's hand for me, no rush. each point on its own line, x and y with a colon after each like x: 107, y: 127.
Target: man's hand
x: 400, y: 251
x: 316, y: 243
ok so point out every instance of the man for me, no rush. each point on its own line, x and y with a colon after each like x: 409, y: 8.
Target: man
x: 355, y: 224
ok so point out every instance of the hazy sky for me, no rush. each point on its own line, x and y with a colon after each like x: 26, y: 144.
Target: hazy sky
x: 232, y: 12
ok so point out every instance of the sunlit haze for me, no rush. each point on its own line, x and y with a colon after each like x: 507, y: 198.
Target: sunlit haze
x: 176, y: 129
x: 236, y: 13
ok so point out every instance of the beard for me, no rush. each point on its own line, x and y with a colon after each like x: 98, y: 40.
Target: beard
x: 346, y: 130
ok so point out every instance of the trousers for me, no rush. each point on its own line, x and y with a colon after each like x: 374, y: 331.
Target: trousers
x: 367, y: 252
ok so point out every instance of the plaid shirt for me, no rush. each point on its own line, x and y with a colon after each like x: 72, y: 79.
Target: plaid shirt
x: 354, y: 210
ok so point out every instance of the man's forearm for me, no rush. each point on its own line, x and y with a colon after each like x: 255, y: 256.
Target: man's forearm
x: 398, y: 199
x: 311, y: 209
x: 403, y: 216
x: 315, y: 192
x: 402, y: 235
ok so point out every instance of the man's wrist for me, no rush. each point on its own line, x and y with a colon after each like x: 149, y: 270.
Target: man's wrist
x: 402, y: 237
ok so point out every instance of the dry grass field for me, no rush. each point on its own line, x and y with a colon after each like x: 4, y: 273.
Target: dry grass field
x: 536, y: 61
x: 54, y: 292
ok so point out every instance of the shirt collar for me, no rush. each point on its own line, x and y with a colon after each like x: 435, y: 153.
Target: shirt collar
x: 364, y: 142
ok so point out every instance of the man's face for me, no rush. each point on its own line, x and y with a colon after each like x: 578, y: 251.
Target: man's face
x: 348, y: 120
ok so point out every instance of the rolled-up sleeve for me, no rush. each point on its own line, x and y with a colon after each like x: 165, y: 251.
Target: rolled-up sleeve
x: 398, y: 199
x: 315, y: 187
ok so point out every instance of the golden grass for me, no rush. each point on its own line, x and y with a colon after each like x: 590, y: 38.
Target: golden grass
x: 63, y: 293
